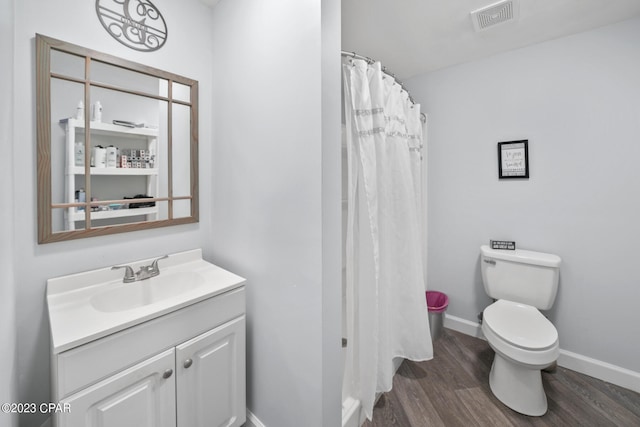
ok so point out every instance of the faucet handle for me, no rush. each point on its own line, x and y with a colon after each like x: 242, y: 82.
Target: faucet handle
x: 129, y: 275
x: 155, y: 270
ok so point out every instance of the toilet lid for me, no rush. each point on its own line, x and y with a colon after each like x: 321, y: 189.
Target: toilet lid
x: 520, y: 324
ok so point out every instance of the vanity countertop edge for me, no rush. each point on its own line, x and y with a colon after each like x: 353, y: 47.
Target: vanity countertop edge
x: 74, y: 322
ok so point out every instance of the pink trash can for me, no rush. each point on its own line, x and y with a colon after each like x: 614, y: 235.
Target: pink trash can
x: 437, y: 303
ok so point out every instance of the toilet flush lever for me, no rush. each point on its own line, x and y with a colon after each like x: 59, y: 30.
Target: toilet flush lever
x: 490, y: 261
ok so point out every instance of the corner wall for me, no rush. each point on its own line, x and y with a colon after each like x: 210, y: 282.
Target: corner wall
x: 186, y: 52
x: 577, y: 101
x: 272, y: 216
x: 8, y: 381
x: 331, y: 214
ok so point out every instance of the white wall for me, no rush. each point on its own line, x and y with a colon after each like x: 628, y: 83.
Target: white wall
x: 577, y: 101
x: 331, y: 214
x: 269, y: 190
x: 8, y: 388
x: 186, y: 52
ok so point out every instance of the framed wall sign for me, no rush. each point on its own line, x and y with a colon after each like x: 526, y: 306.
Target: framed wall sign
x: 503, y: 244
x: 513, y: 159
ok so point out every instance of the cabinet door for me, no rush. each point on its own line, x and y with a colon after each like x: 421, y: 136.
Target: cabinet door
x: 211, y: 378
x: 141, y: 396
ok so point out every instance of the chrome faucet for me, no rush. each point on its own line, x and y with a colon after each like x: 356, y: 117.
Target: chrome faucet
x: 128, y: 273
x: 155, y: 270
x: 145, y: 271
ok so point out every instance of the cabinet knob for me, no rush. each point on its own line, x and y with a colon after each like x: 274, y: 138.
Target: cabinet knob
x: 187, y: 363
x: 167, y: 373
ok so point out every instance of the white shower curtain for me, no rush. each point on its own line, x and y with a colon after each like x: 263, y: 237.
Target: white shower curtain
x: 386, y: 309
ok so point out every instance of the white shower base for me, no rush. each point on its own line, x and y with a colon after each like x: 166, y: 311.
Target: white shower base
x: 351, y: 413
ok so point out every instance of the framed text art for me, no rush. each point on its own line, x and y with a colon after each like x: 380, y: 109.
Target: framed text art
x: 513, y: 159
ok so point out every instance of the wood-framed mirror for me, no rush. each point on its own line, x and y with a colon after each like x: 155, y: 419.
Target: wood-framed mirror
x: 117, y: 144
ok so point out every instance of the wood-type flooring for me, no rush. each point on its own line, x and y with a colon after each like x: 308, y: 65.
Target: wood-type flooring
x: 453, y: 390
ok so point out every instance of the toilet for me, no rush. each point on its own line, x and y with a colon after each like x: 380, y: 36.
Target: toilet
x: 524, y: 340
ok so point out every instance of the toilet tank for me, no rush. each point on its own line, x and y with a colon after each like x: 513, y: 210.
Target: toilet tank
x: 520, y: 276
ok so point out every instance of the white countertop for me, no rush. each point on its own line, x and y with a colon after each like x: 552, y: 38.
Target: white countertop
x: 75, y: 321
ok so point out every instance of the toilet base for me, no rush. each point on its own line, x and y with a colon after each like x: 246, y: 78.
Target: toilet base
x: 517, y: 386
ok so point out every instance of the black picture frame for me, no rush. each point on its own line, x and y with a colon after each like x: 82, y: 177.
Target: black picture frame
x: 513, y: 159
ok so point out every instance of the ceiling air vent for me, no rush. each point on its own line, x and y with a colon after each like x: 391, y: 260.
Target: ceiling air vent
x: 494, y: 14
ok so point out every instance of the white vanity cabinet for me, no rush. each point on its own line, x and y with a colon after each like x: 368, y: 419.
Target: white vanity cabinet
x: 141, y: 396
x: 180, y: 367
x: 210, y: 377
x: 198, y: 383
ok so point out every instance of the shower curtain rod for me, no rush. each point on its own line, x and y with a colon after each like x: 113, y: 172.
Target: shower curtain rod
x: 423, y: 116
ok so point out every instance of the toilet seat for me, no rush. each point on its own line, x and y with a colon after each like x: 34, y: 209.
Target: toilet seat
x: 520, y: 325
x: 521, y: 333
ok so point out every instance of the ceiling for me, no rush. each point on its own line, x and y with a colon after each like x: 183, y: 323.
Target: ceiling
x: 411, y: 37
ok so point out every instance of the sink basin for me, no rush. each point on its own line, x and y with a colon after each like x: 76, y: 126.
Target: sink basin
x: 89, y: 305
x: 128, y: 296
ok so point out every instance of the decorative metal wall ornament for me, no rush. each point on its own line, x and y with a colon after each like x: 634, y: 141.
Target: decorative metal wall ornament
x: 137, y: 24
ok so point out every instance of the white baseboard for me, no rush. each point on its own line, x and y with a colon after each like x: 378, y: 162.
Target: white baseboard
x: 602, y: 370
x: 462, y: 325
x: 252, y: 420
x: 576, y: 362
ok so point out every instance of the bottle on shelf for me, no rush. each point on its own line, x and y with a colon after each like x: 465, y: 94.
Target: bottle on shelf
x: 112, y: 156
x: 97, y: 111
x: 79, y: 153
x: 82, y: 197
x: 99, y: 157
x: 80, y: 111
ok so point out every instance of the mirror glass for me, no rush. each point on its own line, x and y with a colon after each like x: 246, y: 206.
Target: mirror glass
x: 117, y: 144
x: 66, y: 64
x: 112, y: 75
x: 181, y: 92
